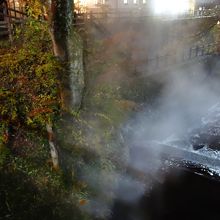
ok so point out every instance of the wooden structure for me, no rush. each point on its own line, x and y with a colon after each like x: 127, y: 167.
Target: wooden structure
x: 12, y: 12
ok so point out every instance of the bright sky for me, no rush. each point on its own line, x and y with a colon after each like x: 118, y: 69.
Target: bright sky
x: 170, y: 6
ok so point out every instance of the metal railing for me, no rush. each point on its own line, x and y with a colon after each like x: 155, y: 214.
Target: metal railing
x: 83, y: 18
x: 163, y: 62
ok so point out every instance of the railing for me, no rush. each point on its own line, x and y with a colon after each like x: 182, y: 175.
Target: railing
x: 80, y: 19
x: 83, y: 18
x: 15, y: 14
x: 11, y: 16
x: 162, y: 62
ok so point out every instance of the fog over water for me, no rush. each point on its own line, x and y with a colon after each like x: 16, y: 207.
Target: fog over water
x: 188, y: 102
x: 161, y: 128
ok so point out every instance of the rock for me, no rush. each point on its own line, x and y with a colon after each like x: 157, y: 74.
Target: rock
x: 208, y: 134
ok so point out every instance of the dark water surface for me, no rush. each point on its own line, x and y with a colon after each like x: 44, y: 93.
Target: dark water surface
x: 182, y: 196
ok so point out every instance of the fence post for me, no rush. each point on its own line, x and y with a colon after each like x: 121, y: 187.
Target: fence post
x: 190, y: 53
x: 202, y: 50
x: 7, y: 18
x: 197, y: 51
x: 157, y: 61
x: 208, y: 49
x: 90, y: 16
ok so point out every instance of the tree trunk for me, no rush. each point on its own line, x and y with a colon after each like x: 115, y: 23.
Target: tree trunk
x: 53, y: 148
x: 68, y: 49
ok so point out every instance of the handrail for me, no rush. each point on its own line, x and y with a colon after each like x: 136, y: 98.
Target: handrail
x: 11, y: 16
x: 19, y: 12
x: 83, y: 18
x: 15, y: 14
x: 145, y: 14
x: 8, y: 14
x: 163, y: 61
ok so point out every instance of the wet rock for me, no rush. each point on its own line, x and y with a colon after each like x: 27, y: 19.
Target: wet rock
x: 208, y: 134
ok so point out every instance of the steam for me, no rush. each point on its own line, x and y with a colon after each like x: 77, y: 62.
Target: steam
x: 185, y: 99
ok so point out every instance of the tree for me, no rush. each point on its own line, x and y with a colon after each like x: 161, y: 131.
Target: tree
x: 67, y: 47
x: 70, y: 54
x: 29, y: 93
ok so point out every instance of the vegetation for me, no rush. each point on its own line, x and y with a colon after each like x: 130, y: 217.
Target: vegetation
x: 29, y: 100
x: 29, y: 93
x: 89, y: 140
x: 29, y: 97
x: 91, y: 147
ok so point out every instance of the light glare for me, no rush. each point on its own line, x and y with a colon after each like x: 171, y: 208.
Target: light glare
x: 171, y: 6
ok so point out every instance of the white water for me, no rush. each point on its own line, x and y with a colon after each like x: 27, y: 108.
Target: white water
x: 205, y: 156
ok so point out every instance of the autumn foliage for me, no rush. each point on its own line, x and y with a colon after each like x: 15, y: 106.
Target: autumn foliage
x: 28, y: 86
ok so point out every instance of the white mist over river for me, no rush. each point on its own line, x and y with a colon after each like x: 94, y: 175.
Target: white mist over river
x: 185, y: 122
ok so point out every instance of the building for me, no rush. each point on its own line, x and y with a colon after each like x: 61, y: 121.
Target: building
x: 127, y: 4
x: 115, y: 5
x: 146, y: 6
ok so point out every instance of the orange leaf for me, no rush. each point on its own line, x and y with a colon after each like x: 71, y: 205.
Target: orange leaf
x: 83, y: 202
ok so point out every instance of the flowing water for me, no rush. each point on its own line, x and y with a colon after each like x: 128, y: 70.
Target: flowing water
x: 181, y: 176
x: 202, y: 144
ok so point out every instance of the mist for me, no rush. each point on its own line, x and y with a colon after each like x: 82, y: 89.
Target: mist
x: 186, y: 98
x: 186, y: 95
